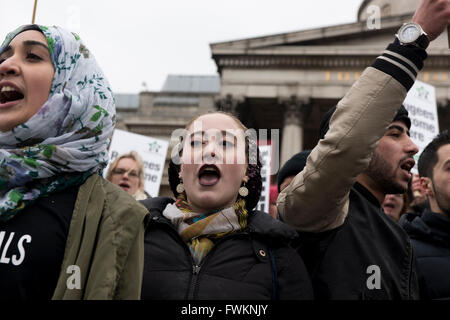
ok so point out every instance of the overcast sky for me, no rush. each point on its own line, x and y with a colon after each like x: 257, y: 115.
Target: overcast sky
x: 138, y: 41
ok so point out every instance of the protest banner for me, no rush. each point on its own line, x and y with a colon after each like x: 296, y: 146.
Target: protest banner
x: 152, y: 151
x: 422, y: 108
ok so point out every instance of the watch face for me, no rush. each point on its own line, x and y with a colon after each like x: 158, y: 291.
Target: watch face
x: 409, y: 34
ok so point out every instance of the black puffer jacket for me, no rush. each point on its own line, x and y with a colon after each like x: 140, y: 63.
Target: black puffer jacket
x: 430, y: 236
x: 238, y: 267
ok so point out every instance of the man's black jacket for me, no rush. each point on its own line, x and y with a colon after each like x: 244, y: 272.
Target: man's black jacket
x: 368, y: 257
x: 430, y: 236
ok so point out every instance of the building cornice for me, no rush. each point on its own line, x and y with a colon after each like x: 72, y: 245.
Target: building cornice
x: 150, y: 130
x: 314, y: 50
x: 348, y: 30
x: 322, y: 61
x: 154, y: 121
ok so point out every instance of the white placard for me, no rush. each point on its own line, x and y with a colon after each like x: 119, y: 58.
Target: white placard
x: 152, y: 151
x: 263, y: 204
x: 421, y: 105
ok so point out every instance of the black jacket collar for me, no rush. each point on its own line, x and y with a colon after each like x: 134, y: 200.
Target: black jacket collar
x: 367, y: 194
x: 430, y: 226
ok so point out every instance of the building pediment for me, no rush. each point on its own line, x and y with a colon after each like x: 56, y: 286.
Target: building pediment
x: 345, y: 45
x: 358, y: 31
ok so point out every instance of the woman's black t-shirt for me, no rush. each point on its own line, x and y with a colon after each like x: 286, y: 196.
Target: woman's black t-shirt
x: 32, y: 247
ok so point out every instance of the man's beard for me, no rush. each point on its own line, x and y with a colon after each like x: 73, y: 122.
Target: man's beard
x: 442, y: 200
x: 382, y: 173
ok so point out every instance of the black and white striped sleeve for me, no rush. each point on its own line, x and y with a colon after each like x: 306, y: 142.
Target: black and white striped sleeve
x: 401, y: 62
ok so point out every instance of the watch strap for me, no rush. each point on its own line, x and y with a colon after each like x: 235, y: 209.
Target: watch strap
x: 423, y: 41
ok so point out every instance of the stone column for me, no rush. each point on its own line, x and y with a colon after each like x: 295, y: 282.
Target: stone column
x: 295, y: 112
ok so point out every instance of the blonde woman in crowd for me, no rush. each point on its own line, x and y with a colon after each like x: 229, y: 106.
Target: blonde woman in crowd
x: 127, y: 171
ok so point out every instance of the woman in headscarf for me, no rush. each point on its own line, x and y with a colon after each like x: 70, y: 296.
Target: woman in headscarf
x: 65, y: 232
x: 211, y: 243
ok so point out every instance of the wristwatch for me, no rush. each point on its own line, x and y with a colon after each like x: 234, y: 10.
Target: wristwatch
x: 412, y: 33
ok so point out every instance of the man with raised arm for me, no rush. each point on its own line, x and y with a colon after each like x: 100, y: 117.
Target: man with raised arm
x: 351, y: 248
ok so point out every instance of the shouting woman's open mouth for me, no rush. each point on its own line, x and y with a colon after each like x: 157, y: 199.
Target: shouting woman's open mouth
x: 9, y: 95
x: 208, y: 175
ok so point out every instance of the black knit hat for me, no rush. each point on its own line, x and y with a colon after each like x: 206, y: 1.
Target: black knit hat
x: 293, y: 166
x: 402, y: 115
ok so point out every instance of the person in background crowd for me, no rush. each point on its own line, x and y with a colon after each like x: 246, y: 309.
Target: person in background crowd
x: 127, y: 171
x: 67, y: 233
x: 288, y: 172
x: 273, y: 195
x: 416, y: 192
x: 350, y: 247
x: 394, y: 205
x: 211, y: 243
x: 291, y: 168
x: 430, y: 232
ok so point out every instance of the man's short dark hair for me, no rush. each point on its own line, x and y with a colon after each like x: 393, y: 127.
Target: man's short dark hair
x: 429, y: 157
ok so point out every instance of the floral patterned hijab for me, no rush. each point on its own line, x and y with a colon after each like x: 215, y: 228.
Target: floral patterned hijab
x: 66, y: 140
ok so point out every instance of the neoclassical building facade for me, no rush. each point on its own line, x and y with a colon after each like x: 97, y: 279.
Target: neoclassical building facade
x: 287, y: 81
x: 290, y: 80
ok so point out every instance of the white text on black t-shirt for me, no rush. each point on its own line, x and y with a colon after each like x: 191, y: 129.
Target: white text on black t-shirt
x: 5, y: 242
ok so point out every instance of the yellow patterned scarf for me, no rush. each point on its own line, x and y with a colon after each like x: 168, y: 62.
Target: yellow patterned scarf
x: 201, y: 230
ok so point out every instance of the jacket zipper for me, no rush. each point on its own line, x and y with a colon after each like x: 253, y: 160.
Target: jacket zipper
x: 410, y: 268
x: 197, y: 268
x: 190, y: 295
x: 193, y: 281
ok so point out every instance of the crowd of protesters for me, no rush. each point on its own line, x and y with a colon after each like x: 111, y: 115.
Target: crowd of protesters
x: 347, y: 221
